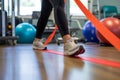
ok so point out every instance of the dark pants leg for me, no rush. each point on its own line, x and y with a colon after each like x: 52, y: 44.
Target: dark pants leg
x: 60, y: 17
x: 42, y: 21
x: 59, y: 14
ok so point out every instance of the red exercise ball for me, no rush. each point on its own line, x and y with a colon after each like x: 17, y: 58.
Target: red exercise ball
x: 113, y: 24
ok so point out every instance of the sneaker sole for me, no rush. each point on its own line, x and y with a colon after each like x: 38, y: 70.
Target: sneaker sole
x: 81, y: 50
x: 35, y: 48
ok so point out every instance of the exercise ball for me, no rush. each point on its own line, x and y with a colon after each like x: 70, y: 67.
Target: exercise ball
x: 112, y: 24
x: 26, y: 32
x: 89, y: 32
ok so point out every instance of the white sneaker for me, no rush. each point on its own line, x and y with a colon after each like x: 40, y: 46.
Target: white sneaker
x: 71, y: 49
x: 38, y: 44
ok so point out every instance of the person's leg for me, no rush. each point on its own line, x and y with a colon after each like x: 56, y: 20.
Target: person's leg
x: 41, y: 24
x: 60, y: 18
x: 42, y: 21
x: 70, y: 48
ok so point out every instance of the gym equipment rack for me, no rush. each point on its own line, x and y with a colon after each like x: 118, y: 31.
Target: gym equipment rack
x: 10, y: 39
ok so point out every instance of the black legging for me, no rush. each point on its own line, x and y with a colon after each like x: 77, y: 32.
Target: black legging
x: 59, y: 14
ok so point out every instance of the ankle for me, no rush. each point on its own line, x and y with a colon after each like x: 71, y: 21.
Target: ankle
x: 66, y: 38
x: 36, y: 39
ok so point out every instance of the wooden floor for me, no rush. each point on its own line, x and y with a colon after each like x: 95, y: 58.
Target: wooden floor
x: 21, y: 62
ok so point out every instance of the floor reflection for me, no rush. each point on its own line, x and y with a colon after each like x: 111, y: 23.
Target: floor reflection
x: 57, y: 67
x: 72, y: 68
x: 21, y: 62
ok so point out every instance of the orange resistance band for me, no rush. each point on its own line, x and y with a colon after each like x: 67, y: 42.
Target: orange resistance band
x: 90, y: 59
x: 114, y: 40
x: 64, y: 1
x: 51, y: 35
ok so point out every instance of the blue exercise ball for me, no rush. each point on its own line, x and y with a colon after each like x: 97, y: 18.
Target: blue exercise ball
x: 26, y: 32
x: 89, y: 32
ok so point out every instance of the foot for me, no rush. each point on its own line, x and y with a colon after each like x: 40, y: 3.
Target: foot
x: 71, y: 49
x: 38, y: 45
